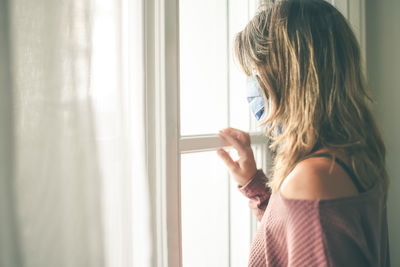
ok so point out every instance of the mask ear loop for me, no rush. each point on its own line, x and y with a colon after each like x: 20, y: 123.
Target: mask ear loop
x: 263, y: 93
x: 267, y: 102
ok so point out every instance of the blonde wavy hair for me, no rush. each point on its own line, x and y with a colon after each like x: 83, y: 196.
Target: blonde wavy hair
x: 307, y: 61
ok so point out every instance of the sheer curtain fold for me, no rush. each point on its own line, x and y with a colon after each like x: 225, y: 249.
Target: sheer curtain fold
x: 9, y: 249
x: 74, y: 184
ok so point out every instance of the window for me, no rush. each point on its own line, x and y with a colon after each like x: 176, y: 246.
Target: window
x: 217, y: 225
x: 203, y: 219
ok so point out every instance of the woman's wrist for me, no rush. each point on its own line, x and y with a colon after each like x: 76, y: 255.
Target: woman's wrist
x: 252, y: 176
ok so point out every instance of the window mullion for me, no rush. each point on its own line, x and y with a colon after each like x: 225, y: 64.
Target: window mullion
x: 201, y: 143
x: 167, y: 132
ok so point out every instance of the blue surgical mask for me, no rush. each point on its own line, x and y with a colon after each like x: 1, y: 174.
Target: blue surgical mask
x: 254, y: 97
x: 256, y: 101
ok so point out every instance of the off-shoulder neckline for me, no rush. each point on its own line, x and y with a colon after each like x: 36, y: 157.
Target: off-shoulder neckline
x: 358, y: 197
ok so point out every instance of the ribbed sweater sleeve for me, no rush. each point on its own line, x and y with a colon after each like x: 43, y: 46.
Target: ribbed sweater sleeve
x: 257, y: 192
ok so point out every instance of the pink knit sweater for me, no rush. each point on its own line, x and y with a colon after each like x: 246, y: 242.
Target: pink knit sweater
x: 348, y: 231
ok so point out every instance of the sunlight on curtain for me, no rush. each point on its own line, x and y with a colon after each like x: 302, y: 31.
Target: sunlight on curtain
x: 77, y: 190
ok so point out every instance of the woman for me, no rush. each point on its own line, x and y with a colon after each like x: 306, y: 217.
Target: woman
x: 304, y: 60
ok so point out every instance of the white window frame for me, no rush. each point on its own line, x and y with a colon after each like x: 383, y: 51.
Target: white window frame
x: 164, y: 143
x: 163, y: 127
x: 354, y: 11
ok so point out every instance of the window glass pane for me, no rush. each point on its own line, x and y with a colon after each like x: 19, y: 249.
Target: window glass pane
x: 203, y: 66
x: 217, y: 223
x: 240, y: 12
x: 205, y: 210
x: 239, y: 109
x: 243, y: 223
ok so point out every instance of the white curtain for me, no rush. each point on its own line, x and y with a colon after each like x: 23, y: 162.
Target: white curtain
x: 74, y: 185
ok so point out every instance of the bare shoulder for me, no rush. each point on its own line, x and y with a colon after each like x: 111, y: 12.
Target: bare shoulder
x: 312, y: 179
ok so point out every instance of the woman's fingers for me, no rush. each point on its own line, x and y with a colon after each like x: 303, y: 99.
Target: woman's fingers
x: 245, y: 166
x: 241, y: 148
x: 227, y: 159
x: 240, y: 135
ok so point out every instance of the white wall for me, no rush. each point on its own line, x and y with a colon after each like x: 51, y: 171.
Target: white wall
x: 383, y: 69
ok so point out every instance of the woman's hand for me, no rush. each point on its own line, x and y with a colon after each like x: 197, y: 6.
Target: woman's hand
x: 245, y: 167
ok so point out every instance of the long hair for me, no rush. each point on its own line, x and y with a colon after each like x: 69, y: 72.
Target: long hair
x: 307, y: 61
